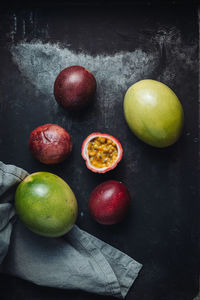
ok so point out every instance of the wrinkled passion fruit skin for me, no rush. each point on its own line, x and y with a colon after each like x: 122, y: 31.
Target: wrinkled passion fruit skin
x: 50, y: 143
x: 109, y: 202
x: 46, y: 204
x: 74, y: 87
x: 154, y: 113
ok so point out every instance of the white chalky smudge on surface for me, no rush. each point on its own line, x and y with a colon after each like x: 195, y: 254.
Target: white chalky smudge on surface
x: 41, y: 63
x: 14, y: 27
x: 48, y: 60
x: 177, y: 54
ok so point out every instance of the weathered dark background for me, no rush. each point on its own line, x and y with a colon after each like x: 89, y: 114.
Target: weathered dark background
x: 121, y: 44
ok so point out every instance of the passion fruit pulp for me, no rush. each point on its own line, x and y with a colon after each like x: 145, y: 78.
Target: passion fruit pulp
x: 102, y: 152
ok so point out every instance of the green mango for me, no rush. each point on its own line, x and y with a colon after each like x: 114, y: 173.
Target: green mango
x: 46, y: 204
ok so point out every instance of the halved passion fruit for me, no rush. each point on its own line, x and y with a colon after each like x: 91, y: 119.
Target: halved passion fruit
x: 102, y: 152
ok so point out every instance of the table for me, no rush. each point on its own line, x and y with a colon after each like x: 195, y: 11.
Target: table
x: 120, y: 44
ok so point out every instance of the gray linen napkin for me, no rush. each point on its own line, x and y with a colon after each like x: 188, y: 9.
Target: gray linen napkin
x: 78, y: 260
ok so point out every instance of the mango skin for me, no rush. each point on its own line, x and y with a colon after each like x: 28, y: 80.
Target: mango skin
x: 46, y: 204
x: 154, y: 113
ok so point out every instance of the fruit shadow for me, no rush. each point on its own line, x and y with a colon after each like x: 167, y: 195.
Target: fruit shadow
x: 58, y: 168
x: 157, y: 154
x: 79, y: 114
x: 112, y: 234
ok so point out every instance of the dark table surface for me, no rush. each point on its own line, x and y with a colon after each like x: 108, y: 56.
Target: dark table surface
x: 120, y: 45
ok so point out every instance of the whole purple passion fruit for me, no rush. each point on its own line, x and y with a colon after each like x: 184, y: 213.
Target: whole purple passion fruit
x: 74, y: 87
x: 109, y: 202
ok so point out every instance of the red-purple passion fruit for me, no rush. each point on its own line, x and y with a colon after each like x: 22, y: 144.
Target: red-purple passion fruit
x: 50, y: 143
x: 109, y: 202
x: 74, y: 87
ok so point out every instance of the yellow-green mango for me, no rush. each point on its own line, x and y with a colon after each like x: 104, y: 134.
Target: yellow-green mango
x: 154, y: 113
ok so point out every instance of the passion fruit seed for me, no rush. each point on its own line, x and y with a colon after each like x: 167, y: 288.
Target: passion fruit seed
x: 102, y: 152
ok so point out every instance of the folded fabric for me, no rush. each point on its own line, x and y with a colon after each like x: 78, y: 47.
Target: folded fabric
x: 77, y: 260
x: 197, y: 297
